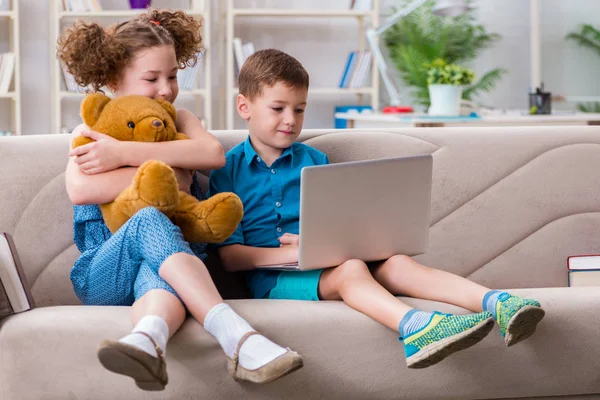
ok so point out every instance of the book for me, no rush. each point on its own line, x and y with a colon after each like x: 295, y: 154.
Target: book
x: 585, y: 261
x: 584, y: 270
x: 584, y: 278
x: 6, y: 74
x: 15, y: 293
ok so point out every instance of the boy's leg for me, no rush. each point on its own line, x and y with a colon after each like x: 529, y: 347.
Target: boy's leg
x: 428, y: 337
x: 517, y: 317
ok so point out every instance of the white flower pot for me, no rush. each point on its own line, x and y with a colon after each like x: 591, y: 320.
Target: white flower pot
x: 445, y: 100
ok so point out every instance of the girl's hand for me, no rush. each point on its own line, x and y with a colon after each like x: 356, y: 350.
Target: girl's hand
x: 99, y: 156
x: 289, y: 239
x: 184, y: 178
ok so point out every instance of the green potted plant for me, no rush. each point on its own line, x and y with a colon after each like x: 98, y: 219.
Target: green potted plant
x: 587, y: 37
x: 445, y: 85
x: 421, y: 37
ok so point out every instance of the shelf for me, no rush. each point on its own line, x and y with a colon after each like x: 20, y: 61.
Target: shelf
x: 338, y: 91
x: 7, y: 14
x: 9, y: 95
x: 364, y: 90
x: 275, y: 12
x: 195, y: 92
x: 113, y: 13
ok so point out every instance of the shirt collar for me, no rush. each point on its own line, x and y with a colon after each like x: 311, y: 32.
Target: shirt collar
x: 251, y: 154
x: 249, y: 151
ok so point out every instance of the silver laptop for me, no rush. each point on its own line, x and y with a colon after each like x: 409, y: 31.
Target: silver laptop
x: 369, y: 210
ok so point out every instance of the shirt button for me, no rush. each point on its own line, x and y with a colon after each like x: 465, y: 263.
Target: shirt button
x: 273, y: 171
x: 278, y: 204
x: 278, y: 229
x: 258, y: 159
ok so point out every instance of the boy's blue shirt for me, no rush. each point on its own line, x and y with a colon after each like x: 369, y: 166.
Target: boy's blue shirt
x: 271, y: 198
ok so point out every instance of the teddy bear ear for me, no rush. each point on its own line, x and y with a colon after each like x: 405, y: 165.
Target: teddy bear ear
x: 92, y: 106
x: 169, y: 107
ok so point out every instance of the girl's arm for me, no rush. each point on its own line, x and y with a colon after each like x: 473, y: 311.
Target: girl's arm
x: 104, y: 187
x: 202, y: 151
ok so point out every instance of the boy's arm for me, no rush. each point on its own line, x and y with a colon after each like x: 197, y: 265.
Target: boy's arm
x: 202, y: 151
x: 104, y: 187
x: 238, y: 257
x: 234, y: 254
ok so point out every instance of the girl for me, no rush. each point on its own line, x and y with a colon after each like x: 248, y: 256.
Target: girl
x: 147, y: 263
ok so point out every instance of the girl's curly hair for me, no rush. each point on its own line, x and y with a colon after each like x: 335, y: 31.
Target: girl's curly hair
x: 96, y: 56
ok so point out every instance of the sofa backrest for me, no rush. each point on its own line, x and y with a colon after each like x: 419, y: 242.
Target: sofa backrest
x: 509, y: 204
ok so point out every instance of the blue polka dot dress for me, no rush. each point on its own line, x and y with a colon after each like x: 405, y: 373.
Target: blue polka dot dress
x: 118, y: 269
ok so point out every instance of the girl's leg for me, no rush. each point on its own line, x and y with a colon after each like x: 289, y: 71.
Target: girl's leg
x: 517, y: 317
x: 156, y: 316
x: 126, y: 268
x: 252, y: 356
x: 428, y: 337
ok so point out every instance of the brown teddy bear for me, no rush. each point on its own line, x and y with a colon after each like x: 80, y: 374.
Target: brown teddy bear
x: 139, y: 118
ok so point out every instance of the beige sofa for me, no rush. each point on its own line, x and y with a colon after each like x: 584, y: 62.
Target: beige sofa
x: 509, y: 206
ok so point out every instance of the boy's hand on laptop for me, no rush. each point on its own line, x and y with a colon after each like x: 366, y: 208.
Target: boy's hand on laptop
x: 289, y: 239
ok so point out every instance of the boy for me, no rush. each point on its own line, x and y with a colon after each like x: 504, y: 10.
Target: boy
x: 264, y: 172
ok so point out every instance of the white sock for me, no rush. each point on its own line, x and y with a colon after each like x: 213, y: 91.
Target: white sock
x: 154, y: 326
x: 228, y: 327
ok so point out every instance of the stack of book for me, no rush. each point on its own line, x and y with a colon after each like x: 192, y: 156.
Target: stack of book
x: 15, y: 294
x: 186, y: 78
x: 241, y: 51
x: 357, y: 70
x: 82, y: 5
x: 584, y: 270
x: 7, y: 67
x: 361, y: 5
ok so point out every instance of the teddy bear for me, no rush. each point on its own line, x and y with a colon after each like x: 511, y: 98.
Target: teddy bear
x: 142, y: 119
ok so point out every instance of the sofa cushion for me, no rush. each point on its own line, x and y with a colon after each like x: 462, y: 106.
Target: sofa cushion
x: 49, y: 353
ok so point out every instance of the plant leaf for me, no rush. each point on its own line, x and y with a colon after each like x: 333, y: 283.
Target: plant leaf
x: 485, y: 84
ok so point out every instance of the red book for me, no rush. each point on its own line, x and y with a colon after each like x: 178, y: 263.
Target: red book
x: 584, y: 270
x: 583, y: 262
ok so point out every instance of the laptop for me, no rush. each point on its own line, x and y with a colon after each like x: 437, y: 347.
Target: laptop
x: 368, y: 210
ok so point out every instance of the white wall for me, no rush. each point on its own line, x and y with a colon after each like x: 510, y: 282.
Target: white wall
x: 323, y: 46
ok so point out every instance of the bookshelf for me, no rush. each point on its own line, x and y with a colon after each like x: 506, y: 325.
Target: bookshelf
x: 11, y: 99
x: 230, y: 14
x: 64, y: 101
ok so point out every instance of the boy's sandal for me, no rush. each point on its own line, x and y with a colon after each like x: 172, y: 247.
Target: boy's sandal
x: 286, y: 363
x: 149, y: 373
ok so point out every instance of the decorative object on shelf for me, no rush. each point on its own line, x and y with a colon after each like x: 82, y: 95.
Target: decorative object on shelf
x: 540, y: 102
x: 587, y: 37
x: 140, y: 3
x: 424, y: 35
x: 445, y: 83
x: 4, y: 5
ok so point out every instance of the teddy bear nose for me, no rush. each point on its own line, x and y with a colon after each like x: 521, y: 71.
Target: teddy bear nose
x: 157, y: 123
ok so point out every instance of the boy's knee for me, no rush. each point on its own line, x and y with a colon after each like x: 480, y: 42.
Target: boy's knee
x: 400, y: 259
x: 353, y: 269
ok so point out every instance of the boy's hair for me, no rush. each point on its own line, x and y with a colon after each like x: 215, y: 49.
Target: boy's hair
x: 266, y: 68
x: 96, y: 56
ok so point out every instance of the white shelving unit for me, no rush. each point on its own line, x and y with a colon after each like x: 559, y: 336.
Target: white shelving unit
x: 230, y: 13
x: 13, y: 97
x: 60, y: 18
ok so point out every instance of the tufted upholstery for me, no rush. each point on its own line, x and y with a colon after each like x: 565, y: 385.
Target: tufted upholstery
x: 503, y: 202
